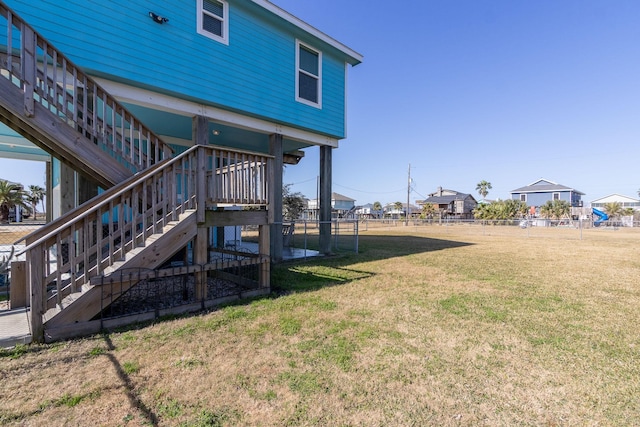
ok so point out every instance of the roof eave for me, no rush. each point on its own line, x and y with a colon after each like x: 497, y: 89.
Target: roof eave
x: 355, y: 57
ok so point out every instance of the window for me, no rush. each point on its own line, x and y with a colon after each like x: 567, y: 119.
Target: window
x: 556, y: 196
x: 213, y: 19
x: 523, y: 197
x: 308, y: 75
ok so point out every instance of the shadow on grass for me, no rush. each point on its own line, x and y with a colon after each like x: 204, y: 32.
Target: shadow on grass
x: 314, y: 273
x: 150, y: 417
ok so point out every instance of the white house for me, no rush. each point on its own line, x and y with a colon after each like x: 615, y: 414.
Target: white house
x: 625, y: 202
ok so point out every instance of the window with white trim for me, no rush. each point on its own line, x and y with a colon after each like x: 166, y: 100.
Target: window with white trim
x: 213, y: 20
x: 308, y: 75
x: 523, y: 197
x: 556, y: 196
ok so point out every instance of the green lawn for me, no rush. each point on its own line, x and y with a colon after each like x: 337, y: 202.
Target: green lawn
x: 427, y: 326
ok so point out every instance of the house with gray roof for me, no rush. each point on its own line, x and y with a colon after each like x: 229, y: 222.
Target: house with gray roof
x: 451, y: 203
x: 543, y: 190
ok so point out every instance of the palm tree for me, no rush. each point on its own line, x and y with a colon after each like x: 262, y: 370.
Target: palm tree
x: 11, y: 195
x: 377, y: 207
x: 613, y: 209
x: 628, y: 211
x: 428, y: 210
x: 36, y: 195
x: 556, y: 209
x: 483, y: 188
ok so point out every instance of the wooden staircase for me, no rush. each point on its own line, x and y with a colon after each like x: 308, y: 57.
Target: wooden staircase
x: 54, y: 104
x: 153, y: 204
x: 82, y: 306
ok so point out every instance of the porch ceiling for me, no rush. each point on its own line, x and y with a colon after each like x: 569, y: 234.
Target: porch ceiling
x: 179, y: 127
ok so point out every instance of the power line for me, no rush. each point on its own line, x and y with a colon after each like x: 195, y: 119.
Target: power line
x: 369, y: 192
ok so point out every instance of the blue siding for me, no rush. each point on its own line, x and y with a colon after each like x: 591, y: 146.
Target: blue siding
x: 254, y: 74
x: 539, y: 199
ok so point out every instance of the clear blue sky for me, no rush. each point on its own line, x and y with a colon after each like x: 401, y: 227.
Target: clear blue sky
x: 469, y: 90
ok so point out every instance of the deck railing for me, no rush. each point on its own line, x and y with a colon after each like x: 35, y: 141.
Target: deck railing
x: 65, y: 254
x: 49, y: 78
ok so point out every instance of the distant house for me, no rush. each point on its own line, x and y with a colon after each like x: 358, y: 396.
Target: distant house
x: 391, y: 211
x: 625, y: 202
x: 451, y: 203
x: 541, y: 191
x: 340, y: 206
x: 367, y: 211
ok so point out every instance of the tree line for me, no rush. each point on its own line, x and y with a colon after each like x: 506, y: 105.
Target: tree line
x: 14, y: 195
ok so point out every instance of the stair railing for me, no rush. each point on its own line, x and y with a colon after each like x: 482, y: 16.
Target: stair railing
x: 64, y: 255
x: 49, y: 78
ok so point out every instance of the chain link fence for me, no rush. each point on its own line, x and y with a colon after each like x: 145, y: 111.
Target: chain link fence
x: 537, y: 227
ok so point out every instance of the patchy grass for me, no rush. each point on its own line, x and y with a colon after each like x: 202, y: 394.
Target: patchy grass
x: 432, y: 326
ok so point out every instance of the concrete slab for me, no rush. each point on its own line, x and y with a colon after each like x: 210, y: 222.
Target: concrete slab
x: 14, y: 327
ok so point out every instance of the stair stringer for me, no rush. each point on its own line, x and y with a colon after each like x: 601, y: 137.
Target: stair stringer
x: 47, y: 131
x: 159, y: 247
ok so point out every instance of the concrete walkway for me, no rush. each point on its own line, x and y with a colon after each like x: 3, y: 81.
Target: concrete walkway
x: 14, y: 327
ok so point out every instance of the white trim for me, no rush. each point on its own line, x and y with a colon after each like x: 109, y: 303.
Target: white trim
x: 310, y: 29
x: 318, y: 104
x: 224, y: 39
x: 18, y: 142
x: 179, y: 106
x: 542, y: 179
x: 557, y: 193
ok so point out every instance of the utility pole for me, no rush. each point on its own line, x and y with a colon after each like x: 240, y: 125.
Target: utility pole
x: 406, y: 219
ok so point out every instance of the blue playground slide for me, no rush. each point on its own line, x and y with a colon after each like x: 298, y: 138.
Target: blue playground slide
x: 601, y: 217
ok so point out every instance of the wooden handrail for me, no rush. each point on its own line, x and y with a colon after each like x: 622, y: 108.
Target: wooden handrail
x: 95, y: 204
x: 49, y: 78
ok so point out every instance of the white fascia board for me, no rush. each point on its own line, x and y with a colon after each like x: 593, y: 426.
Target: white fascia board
x: 310, y: 29
x: 8, y: 143
x: 183, y: 107
x: 542, y: 179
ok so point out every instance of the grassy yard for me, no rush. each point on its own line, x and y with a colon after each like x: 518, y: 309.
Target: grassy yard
x: 424, y: 327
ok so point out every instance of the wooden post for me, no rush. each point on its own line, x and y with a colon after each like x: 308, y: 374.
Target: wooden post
x: 325, y: 199
x: 275, y: 196
x: 200, y: 136
x: 18, y: 294
x: 264, y: 244
x: 35, y: 261
x: 28, y: 68
x: 67, y: 189
x: 49, y: 196
x: 200, y: 257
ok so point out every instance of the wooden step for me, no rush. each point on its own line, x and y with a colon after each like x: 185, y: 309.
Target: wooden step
x: 81, y: 307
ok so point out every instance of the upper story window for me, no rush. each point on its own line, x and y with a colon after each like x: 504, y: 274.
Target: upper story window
x: 308, y: 75
x: 523, y: 197
x: 213, y: 19
x: 556, y: 196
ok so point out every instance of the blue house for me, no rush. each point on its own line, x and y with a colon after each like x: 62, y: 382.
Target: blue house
x: 161, y: 123
x: 541, y: 191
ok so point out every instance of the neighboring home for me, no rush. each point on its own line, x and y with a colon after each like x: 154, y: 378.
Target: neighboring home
x: 625, y: 202
x: 451, y: 203
x: 163, y: 122
x: 367, y: 211
x: 391, y: 211
x: 341, y: 207
x: 541, y: 191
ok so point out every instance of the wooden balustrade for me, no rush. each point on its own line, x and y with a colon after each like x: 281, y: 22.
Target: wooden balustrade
x: 93, y: 238
x: 50, y: 79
